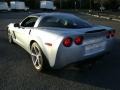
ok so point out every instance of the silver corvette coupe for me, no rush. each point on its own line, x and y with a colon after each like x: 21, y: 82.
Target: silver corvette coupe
x: 59, y: 39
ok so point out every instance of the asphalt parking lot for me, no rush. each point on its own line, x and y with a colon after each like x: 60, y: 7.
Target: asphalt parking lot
x: 17, y: 72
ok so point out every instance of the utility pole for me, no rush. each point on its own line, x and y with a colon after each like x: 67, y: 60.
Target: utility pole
x: 75, y: 3
x: 60, y: 4
x: 102, y: 8
x: 90, y: 7
x: 90, y: 4
x: 80, y: 4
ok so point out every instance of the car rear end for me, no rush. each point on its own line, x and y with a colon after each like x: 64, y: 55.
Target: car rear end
x: 4, y: 6
x: 18, y: 5
x: 84, y: 44
x: 48, y: 5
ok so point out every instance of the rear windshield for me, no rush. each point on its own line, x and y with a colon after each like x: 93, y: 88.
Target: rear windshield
x: 63, y: 22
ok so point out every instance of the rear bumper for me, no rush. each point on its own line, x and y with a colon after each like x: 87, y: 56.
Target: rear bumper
x: 4, y: 9
x: 70, y: 55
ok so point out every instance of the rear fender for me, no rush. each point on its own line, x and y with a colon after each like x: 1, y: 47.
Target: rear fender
x: 50, y: 52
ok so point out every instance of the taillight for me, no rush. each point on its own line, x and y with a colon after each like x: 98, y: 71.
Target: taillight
x: 78, y: 40
x: 110, y: 34
x: 67, y: 42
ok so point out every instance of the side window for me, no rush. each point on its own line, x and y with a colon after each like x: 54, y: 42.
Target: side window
x: 29, y: 22
x: 49, y: 21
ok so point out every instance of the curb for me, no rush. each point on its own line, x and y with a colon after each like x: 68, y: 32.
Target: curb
x: 100, y: 16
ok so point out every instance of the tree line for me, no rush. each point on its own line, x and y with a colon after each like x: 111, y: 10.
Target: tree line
x: 88, y: 4
x: 77, y: 4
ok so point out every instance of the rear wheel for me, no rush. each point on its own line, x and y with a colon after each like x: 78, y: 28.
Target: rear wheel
x: 36, y: 56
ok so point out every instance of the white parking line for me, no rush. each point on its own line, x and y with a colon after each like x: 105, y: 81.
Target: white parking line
x: 104, y: 17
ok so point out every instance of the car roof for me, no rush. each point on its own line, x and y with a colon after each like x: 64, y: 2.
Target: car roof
x: 52, y: 14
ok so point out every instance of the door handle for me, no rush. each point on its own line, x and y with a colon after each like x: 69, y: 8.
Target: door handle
x: 29, y: 32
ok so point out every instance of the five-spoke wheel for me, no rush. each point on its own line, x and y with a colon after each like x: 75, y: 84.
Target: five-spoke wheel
x: 36, y: 56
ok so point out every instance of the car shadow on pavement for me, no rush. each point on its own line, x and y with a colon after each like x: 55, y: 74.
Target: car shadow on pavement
x: 105, y: 73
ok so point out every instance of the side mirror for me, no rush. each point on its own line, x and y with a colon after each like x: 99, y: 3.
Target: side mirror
x: 16, y: 25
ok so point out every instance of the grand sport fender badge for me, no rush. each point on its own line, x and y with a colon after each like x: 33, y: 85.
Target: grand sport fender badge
x: 48, y: 44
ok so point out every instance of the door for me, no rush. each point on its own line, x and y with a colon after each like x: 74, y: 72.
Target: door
x: 22, y: 33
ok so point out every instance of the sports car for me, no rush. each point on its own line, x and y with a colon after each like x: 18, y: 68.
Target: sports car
x: 58, y: 39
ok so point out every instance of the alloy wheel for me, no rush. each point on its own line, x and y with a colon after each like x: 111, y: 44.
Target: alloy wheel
x: 36, y: 57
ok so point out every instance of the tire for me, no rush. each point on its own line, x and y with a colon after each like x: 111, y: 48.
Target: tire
x: 10, y: 39
x: 38, y: 58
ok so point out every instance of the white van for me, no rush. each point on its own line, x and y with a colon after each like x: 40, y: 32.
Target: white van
x: 18, y: 5
x: 48, y: 5
x: 4, y: 6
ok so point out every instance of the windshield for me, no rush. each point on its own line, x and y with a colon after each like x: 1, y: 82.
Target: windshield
x: 64, y: 21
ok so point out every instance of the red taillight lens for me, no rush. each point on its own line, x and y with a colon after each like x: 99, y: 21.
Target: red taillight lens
x: 78, y: 40
x: 67, y: 42
x: 108, y: 35
x: 112, y: 33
